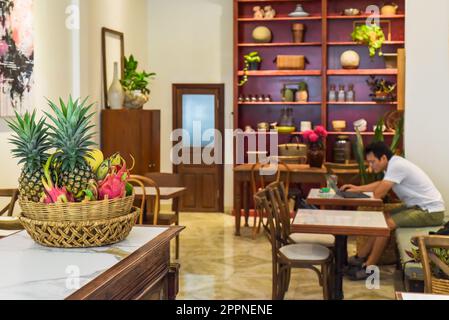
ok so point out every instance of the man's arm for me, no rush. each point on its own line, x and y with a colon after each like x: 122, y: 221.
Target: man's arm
x: 382, y: 189
x: 365, y: 188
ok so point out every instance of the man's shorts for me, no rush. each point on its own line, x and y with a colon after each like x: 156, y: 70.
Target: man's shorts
x: 415, y: 217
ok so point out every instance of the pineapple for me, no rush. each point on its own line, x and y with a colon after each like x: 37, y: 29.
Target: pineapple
x: 31, y: 146
x: 70, y: 135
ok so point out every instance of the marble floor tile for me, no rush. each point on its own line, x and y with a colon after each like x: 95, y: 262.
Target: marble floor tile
x: 217, y: 265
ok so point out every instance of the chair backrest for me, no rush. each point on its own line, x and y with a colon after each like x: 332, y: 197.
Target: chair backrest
x: 14, y: 195
x: 273, y: 231
x: 427, y: 246
x: 135, y: 181
x: 166, y: 180
x: 151, y: 202
x: 282, y: 168
x: 278, y: 200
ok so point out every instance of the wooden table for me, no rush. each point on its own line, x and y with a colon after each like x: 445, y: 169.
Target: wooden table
x: 341, y: 224
x: 299, y: 173
x: 420, y: 296
x: 325, y: 200
x: 165, y: 194
x: 136, y: 268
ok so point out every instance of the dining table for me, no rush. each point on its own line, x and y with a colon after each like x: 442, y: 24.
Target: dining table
x: 299, y: 174
x: 341, y: 224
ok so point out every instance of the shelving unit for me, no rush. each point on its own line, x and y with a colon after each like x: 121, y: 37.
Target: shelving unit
x: 327, y: 36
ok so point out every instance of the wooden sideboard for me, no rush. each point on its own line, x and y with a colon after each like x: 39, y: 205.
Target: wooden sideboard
x: 133, y: 132
x: 146, y: 274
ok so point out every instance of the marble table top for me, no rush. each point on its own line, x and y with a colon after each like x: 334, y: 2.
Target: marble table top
x: 29, y: 271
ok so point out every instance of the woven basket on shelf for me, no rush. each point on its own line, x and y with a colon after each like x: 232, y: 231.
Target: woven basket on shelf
x: 93, y: 210
x: 80, y: 234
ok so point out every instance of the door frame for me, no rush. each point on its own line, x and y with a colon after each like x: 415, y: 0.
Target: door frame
x: 220, y: 87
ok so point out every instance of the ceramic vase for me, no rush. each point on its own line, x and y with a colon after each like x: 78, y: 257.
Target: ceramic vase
x: 116, y: 94
x: 315, y: 156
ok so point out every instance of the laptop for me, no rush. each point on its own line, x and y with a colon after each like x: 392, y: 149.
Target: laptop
x: 348, y: 194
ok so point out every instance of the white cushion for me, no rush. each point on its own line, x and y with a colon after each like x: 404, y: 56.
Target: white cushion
x: 305, y: 251
x: 326, y: 240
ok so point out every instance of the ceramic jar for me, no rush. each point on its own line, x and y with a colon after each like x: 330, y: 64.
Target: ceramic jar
x: 315, y: 156
x: 350, y: 60
x: 262, y: 34
x: 342, y: 150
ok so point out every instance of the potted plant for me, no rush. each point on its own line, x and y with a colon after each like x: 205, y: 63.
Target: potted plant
x: 315, y: 140
x: 135, y: 84
x: 382, y: 90
x: 370, y: 35
x: 252, y: 62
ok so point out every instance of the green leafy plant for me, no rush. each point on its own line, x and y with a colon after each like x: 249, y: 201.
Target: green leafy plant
x: 368, y: 177
x: 252, y: 57
x: 134, y: 80
x: 370, y: 35
x: 382, y: 88
x: 441, y: 253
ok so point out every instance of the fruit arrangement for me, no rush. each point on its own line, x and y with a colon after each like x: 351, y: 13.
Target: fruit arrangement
x: 75, y: 172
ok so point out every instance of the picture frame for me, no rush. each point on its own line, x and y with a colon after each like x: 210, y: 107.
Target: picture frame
x: 112, y: 50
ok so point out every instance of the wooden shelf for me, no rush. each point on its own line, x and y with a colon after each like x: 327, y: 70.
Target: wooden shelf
x: 361, y: 72
x: 280, y: 73
x: 336, y: 133
x: 280, y: 19
x: 279, y: 103
x: 333, y: 16
x: 280, y: 44
x: 352, y: 43
x: 363, y: 103
x: 252, y: 1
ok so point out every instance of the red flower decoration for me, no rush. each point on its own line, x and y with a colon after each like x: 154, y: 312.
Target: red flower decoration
x: 313, y: 137
x: 320, y: 131
x: 307, y: 134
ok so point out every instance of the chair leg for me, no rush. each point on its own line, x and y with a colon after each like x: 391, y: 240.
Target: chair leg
x: 275, y: 280
x: 177, y: 247
x: 288, y: 277
x: 255, y: 227
x: 325, y: 278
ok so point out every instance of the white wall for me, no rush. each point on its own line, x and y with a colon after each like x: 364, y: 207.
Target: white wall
x: 427, y: 89
x: 55, y: 55
x: 190, y: 42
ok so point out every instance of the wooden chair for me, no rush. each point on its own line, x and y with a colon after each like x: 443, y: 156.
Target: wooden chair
x: 255, y: 187
x: 7, y: 221
x: 429, y: 260
x: 148, y: 204
x: 280, y: 193
x: 169, y: 180
x: 286, y: 256
x: 143, y: 199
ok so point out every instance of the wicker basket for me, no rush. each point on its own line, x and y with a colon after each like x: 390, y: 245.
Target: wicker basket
x: 440, y: 286
x: 80, y: 234
x: 77, y: 212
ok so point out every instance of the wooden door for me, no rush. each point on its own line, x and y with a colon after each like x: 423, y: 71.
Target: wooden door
x: 133, y: 132
x: 201, y: 104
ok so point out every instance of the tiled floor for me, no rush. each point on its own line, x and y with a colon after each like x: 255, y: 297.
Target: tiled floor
x: 215, y: 264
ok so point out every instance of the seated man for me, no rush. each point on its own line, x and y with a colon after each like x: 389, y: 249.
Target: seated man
x: 424, y: 205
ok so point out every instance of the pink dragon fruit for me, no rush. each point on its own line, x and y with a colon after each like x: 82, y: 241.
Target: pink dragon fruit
x: 53, y: 194
x: 114, y: 185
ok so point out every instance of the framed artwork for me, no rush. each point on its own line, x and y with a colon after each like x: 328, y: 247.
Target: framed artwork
x: 16, y: 56
x: 112, y: 50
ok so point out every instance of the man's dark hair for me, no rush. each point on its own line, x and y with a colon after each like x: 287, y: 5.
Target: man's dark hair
x: 379, y: 149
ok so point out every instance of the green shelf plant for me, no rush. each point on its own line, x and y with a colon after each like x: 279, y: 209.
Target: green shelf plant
x: 252, y: 62
x: 370, y: 35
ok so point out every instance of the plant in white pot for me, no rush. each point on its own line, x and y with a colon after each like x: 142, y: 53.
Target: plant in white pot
x: 135, y: 84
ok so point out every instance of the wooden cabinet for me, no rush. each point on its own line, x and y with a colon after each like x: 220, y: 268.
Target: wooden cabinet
x: 133, y: 132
